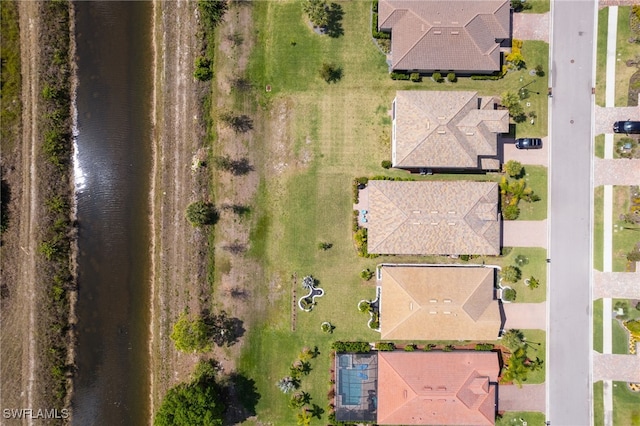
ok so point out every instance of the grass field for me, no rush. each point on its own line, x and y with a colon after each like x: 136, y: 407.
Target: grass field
x: 625, y: 236
x: 598, y: 404
x: 626, y: 405
x: 327, y: 134
x: 598, y: 227
x: 537, y: 348
x: 620, y: 338
x: 601, y: 58
x: 597, y: 325
x: 537, y: 267
x: 538, y: 6
x: 599, y: 146
x: 624, y: 51
x: 536, y: 177
x: 512, y: 418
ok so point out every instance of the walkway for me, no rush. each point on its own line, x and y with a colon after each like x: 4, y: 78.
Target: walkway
x: 620, y: 285
x: 526, y: 398
x: 525, y: 316
x: 616, y: 172
x: 531, y: 26
x: 524, y: 233
x: 624, y: 368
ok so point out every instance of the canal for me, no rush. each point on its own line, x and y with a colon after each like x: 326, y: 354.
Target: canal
x: 113, y: 162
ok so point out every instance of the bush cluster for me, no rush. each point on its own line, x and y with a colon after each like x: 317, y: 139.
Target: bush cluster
x: 386, y: 346
x: 399, y: 76
x: 484, y: 347
x: 355, y: 347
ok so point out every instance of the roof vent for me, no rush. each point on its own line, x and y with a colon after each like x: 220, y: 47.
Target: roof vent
x: 434, y: 223
x: 470, y: 133
x: 438, y: 32
x: 451, y: 223
x: 433, y: 312
x: 447, y: 300
x: 452, y: 212
x: 434, y: 211
x: 441, y: 131
x: 455, y: 32
x: 416, y: 212
x: 433, y: 301
x: 441, y: 117
x: 447, y: 313
x: 454, y: 22
x: 437, y: 22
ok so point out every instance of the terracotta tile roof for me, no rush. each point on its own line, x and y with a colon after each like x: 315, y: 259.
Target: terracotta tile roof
x: 438, y: 303
x: 445, y: 129
x: 457, y: 35
x: 429, y: 217
x: 437, y: 388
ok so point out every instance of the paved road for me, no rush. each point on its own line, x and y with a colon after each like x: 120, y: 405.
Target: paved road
x: 569, y: 335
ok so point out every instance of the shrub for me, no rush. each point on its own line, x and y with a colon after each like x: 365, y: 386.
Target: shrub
x: 364, y: 306
x: 203, y: 70
x: 375, y: 324
x: 521, y: 260
x: 516, y: 59
x: 533, y: 283
x: 448, y: 348
x: 511, y: 274
x: 484, y: 347
x: 437, y: 77
x: 487, y: 77
x: 513, y: 168
x: 386, y: 164
x: 361, y: 242
x: 317, y: 11
x: 201, y: 213
x: 410, y: 347
x: 324, y: 246
x: 415, y: 77
x: 191, y: 335
x: 399, y: 76
x: 509, y: 295
x: 357, y: 347
x: 330, y: 72
x: 633, y: 326
x: 428, y: 347
x: 367, y: 274
x: 385, y: 346
x: 452, y: 77
x: 510, y: 212
x: 519, y: 5
x: 539, y: 71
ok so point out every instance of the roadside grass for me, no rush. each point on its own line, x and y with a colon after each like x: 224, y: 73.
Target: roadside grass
x: 625, y: 236
x: 536, y: 348
x: 536, y: 178
x: 599, y: 146
x: 624, y: 51
x: 9, y: 74
x: 332, y: 133
x: 598, y: 227
x: 511, y: 418
x: 598, y: 404
x: 620, y: 344
x: 626, y: 405
x: 597, y: 325
x: 601, y: 56
x: 537, y: 267
x: 538, y: 6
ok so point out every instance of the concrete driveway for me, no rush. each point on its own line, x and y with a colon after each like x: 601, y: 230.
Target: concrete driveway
x: 616, y: 284
x: 624, y: 368
x: 531, y: 26
x: 605, y: 117
x: 524, y: 233
x: 526, y: 156
x: 525, y: 316
x: 526, y: 398
x: 622, y: 171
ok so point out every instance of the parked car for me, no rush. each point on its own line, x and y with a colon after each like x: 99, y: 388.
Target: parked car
x: 627, y: 127
x: 529, y: 143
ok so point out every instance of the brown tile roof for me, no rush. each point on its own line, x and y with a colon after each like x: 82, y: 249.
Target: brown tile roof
x: 437, y: 388
x: 457, y: 35
x: 438, y: 303
x: 433, y: 217
x: 445, y: 129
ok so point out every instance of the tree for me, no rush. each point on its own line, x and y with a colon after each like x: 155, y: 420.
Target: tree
x: 367, y: 274
x: 287, y: 384
x: 299, y: 399
x: 533, y: 283
x: 191, y: 335
x: 201, y: 213
x: 513, y: 339
x: 516, y: 59
x: 509, y: 295
x: 511, y: 274
x: 510, y: 212
x: 513, y: 168
x: 317, y: 11
x: 452, y: 77
x: 308, y: 282
x: 304, y: 417
x: 330, y: 72
x: 521, y: 260
x: 324, y: 246
x: 511, y: 101
x: 191, y: 404
x: 437, y: 77
x: 203, y: 70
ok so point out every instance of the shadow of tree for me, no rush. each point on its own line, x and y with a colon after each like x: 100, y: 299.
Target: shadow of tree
x: 223, y: 329
x: 334, y: 21
x: 242, y: 397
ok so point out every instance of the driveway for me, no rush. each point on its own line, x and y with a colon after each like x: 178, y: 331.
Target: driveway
x: 525, y: 316
x: 524, y: 233
x: 605, y: 117
x: 622, y: 171
x: 622, y: 285
x: 624, y: 368
x: 531, y: 26
x: 526, y: 398
x: 526, y: 156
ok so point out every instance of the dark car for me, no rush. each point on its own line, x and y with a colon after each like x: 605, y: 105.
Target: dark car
x: 626, y: 127
x: 529, y: 143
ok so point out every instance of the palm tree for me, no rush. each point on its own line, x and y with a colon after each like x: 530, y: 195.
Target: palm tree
x: 308, y: 282
x: 513, y: 339
x: 287, y: 384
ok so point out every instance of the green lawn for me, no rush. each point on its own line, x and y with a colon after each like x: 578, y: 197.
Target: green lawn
x: 538, y: 6
x: 327, y: 134
x: 536, y: 177
x: 599, y: 146
x: 537, y: 267
x: 597, y: 325
x: 626, y: 405
x: 624, y: 51
x: 512, y: 418
x: 598, y: 404
x: 537, y: 349
x: 601, y: 58
x: 620, y: 338
x: 625, y: 236
x: 598, y: 227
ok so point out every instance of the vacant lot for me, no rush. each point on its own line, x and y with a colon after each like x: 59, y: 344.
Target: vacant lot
x: 316, y: 137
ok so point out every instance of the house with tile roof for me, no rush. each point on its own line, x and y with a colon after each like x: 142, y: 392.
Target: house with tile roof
x: 437, y: 388
x: 454, y: 130
x: 433, y: 217
x: 439, y: 302
x: 463, y: 36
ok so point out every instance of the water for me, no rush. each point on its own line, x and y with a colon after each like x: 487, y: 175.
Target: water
x: 112, y: 181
